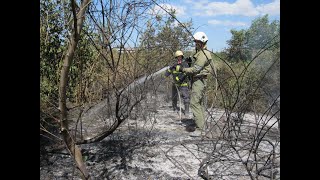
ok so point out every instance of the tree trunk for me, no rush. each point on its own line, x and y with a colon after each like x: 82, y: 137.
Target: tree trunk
x: 69, y: 141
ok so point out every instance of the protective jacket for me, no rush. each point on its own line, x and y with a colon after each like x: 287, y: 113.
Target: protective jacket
x: 202, y: 65
x: 179, y: 78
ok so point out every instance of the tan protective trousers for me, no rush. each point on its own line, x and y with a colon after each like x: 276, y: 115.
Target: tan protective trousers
x: 197, y: 101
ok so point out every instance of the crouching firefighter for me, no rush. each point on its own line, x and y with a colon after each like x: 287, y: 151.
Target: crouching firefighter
x: 181, y: 82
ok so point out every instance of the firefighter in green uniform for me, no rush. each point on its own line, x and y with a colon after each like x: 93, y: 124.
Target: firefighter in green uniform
x: 202, y: 66
x: 180, y: 82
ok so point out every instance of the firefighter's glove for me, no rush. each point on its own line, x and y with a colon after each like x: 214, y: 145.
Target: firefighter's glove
x: 167, y: 73
x: 179, y: 68
x: 172, y: 68
x: 188, y: 59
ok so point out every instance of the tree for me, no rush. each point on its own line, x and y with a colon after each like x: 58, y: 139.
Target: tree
x: 52, y: 31
x: 237, y: 50
x: 78, y: 19
x: 261, y: 32
x: 165, y: 36
x: 245, y: 43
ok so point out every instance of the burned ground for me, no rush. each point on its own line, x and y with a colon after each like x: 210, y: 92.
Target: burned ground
x: 154, y: 144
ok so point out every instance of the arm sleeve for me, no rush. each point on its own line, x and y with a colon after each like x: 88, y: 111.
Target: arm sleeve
x: 167, y: 73
x: 198, y: 65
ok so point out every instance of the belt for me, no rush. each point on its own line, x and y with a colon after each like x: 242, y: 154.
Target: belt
x: 199, y: 77
x: 182, y: 84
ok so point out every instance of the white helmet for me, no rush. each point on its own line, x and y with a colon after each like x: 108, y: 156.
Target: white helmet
x: 200, y: 36
x: 178, y: 53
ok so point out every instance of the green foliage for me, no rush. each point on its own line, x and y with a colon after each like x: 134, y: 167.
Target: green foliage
x: 237, y: 50
x: 260, y: 35
x: 81, y: 62
x: 53, y: 36
x: 51, y: 48
x: 249, y: 80
x: 162, y: 38
x: 247, y: 86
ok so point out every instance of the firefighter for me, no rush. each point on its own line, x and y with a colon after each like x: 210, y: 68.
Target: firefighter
x: 181, y: 82
x: 202, y: 66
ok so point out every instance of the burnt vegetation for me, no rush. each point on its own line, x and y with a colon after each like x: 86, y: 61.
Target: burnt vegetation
x: 105, y: 104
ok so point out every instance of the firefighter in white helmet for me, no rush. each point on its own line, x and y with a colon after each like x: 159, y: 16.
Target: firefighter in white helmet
x: 199, y: 71
x: 180, y: 81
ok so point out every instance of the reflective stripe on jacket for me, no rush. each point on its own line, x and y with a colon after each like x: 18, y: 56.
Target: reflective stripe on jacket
x: 179, y: 78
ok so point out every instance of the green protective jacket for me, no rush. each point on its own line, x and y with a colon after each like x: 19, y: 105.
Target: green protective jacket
x: 203, y: 64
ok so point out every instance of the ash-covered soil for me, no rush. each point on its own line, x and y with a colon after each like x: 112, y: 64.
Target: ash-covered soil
x: 154, y: 144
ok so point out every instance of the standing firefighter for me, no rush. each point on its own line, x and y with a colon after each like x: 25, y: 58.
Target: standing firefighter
x: 201, y: 68
x: 180, y: 81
